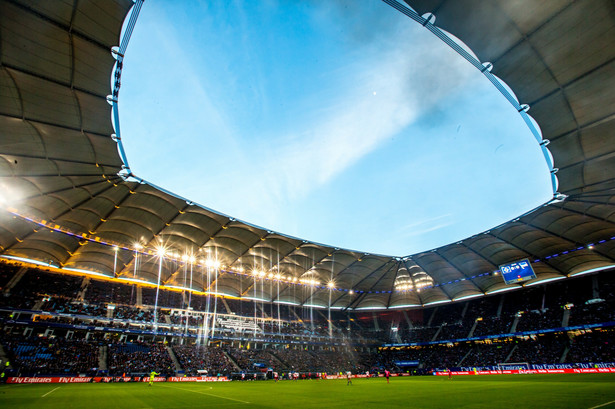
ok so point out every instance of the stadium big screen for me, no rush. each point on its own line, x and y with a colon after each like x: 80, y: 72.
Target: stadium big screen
x: 518, y: 271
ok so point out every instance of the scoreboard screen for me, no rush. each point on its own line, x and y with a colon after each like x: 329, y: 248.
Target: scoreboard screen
x: 518, y: 271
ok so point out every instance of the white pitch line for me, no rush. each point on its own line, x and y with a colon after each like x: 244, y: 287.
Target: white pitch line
x: 203, y: 393
x: 50, y: 391
x: 604, y: 404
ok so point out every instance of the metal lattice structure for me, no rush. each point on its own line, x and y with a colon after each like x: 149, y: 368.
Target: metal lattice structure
x: 71, y: 201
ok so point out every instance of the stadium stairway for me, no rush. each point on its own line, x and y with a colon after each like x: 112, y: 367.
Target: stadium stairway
x: 464, y: 357
x: 16, y: 278
x: 139, y: 300
x: 435, y: 336
x: 395, y: 337
x: 4, y: 358
x: 262, y: 311
x: 355, y: 322
x: 566, y: 318
x: 176, y: 363
x: 375, y: 319
x: 408, y: 320
x: 231, y: 360
x: 276, y: 360
x: 471, y: 333
x: 564, y: 354
x: 422, y: 364
x: 513, y: 327
x: 226, y: 306
x: 335, y: 328
x: 283, y: 364
x: 512, y: 351
x: 84, y: 288
x: 296, y: 316
x: 103, y: 351
x: 431, y: 317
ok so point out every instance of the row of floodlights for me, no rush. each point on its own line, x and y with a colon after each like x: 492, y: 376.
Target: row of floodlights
x: 215, y: 264
x: 256, y: 273
x: 421, y: 281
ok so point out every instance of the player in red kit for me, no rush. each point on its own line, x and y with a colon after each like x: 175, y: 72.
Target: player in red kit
x: 387, y: 374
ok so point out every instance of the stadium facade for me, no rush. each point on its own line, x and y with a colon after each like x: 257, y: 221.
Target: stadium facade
x: 71, y: 202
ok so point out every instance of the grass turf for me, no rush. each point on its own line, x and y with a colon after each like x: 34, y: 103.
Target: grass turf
x: 521, y: 391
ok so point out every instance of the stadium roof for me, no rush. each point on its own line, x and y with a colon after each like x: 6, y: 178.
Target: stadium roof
x: 72, y: 202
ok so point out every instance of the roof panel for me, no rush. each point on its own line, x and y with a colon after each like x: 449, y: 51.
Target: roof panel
x: 95, y: 112
x: 58, y: 10
x: 568, y: 150
x: 90, y: 64
x: 528, y: 16
x: 46, y: 101
x: 548, y: 106
x: 32, y: 44
x: 587, y: 100
x: 493, y: 23
x: 10, y: 102
x: 20, y: 138
x: 519, y: 64
x: 101, y: 21
x: 597, y: 140
x: 569, y: 55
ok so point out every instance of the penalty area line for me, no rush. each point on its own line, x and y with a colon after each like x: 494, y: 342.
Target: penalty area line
x: 604, y: 404
x: 204, y: 393
x: 50, y: 391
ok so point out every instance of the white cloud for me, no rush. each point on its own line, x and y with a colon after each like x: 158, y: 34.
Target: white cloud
x: 392, y: 90
x: 428, y: 221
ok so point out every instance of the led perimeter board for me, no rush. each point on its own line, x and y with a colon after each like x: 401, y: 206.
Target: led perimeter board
x: 518, y: 271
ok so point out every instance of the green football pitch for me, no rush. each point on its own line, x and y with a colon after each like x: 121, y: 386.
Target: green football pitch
x: 499, y: 391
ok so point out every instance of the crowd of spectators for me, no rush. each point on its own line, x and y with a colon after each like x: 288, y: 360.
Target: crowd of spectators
x: 328, y: 361
x: 589, y: 313
x: 125, y: 312
x: 481, y: 354
x: 540, y: 319
x: 453, y: 331
x: 36, y: 285
x: 62, y: 305
x: 418, y: 334
x: 51, y: 355
x: 44, y: 283
x: 166, y: 298
x: 183, y: 319
x: 139, y: 358
x: 585, y: 347
x: 544, y: 349
x: 7, y: 272
x: 47, y: 355
x: 193, y: 358
x: 250, y: 359
x: 493, y: 325
x: 102, y: 292
x: 537, y: 308
x: 594, y: 346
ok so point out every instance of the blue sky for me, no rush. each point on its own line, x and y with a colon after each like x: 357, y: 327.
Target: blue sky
x: 341, y: 124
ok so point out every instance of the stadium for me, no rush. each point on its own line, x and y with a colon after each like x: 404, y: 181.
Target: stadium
x: 107, y: 278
